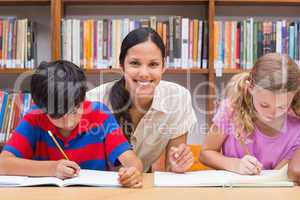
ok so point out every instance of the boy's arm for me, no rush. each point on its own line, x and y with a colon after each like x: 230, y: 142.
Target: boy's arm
x: 131, y: 174
x: 12, y: 165
x: 129, y: 159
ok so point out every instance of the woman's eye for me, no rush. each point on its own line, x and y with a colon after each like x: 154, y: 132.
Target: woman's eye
x: 153, y: 65
x: 134, y: 63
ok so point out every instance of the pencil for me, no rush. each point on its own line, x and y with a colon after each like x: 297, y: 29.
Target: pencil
x: 58, y: 146
x: 247, y: 152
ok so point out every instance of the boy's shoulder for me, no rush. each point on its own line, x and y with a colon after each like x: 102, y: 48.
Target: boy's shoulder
x: 96, y: 106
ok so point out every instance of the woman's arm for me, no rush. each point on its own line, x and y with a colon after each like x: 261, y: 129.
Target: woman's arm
x: 11, y: 165
x: 179, y: 156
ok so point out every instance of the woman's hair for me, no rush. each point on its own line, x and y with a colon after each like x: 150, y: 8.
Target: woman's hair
x: 119, y: 96
x: 274, y: 72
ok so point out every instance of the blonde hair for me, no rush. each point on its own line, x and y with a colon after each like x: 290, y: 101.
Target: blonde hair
x: 274, y: 72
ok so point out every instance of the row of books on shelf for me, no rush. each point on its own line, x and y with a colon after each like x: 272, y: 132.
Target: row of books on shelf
x: 13, y: 106
x: 95, y: 43
x: 238, y: 44
x: 17, y: 43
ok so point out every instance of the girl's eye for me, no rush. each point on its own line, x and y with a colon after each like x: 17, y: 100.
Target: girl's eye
x: 264, y: 105
x: 282, y: 107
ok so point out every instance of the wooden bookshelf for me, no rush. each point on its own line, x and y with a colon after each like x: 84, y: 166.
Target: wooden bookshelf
x: 24, y: 2
x: 234, y: 71
x: 14, y: 71
x: 113, y: 71
x: 135, y: 2
x: 257, y: 2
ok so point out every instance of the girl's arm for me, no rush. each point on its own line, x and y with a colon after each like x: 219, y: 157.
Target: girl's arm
x: 212, y: 157
x: 281, y: 164
x: 294, y: 167
x: 211, y: 151
x: 179, y: 155
x: 11, y: 165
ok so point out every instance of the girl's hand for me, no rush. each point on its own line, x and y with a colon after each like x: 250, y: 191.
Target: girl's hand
x: 180, y: 158
x: 130, y: 177
x: 249, y: 165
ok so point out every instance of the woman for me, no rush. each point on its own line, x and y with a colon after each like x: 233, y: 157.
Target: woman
x: 156, y: 116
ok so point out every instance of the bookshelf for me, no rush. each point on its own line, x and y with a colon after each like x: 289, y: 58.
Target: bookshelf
x: 49, y: 14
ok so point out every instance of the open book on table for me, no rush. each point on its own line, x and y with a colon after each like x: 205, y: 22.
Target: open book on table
x: 220, y: 178
x: 85, y: 178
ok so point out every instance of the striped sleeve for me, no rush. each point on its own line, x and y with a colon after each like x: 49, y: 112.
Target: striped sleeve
x: 115, y: 141
x: 22, y: 141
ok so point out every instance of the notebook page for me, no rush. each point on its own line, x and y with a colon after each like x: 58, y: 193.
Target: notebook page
x: 10, y: 181
x: 94, y: 178
x: 205, y: 178
x: 265, y: 177
x: 36, y: 181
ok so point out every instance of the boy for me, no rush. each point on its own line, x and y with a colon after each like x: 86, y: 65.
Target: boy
x: 87, y: 132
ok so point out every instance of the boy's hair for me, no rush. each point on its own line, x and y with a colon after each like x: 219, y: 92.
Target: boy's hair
x: 58, y: 87
x: 274, y: 72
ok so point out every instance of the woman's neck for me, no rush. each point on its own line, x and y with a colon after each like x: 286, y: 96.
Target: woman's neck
x: 270, y: 128
x: 138, y: 110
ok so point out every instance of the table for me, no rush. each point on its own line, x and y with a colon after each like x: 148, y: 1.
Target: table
x: 148, y: 192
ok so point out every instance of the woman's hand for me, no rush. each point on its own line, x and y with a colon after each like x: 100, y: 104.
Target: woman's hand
x: 180, y: 158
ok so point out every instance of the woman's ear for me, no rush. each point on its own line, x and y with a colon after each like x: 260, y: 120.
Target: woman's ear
x: 164, y: 67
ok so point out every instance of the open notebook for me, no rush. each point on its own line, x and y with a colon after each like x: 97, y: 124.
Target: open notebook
x: 220, y: 178
x: 85, y: 178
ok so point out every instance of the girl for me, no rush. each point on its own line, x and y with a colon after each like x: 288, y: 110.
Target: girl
x: 155, y: 115
x: 252, y: 129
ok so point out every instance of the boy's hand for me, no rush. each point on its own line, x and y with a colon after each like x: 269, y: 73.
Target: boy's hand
x: 249, y: 165
x: 130, y: 177
x: 180, y: 158
x: 66, y: 169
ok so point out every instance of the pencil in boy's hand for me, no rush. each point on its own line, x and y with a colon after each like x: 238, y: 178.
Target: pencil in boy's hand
x: 58, y: 146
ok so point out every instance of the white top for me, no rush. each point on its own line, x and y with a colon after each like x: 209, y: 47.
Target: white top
x: 170, y: 115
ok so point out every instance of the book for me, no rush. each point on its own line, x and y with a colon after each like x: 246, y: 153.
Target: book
x: 220, y: 178
x: 85, y: 178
